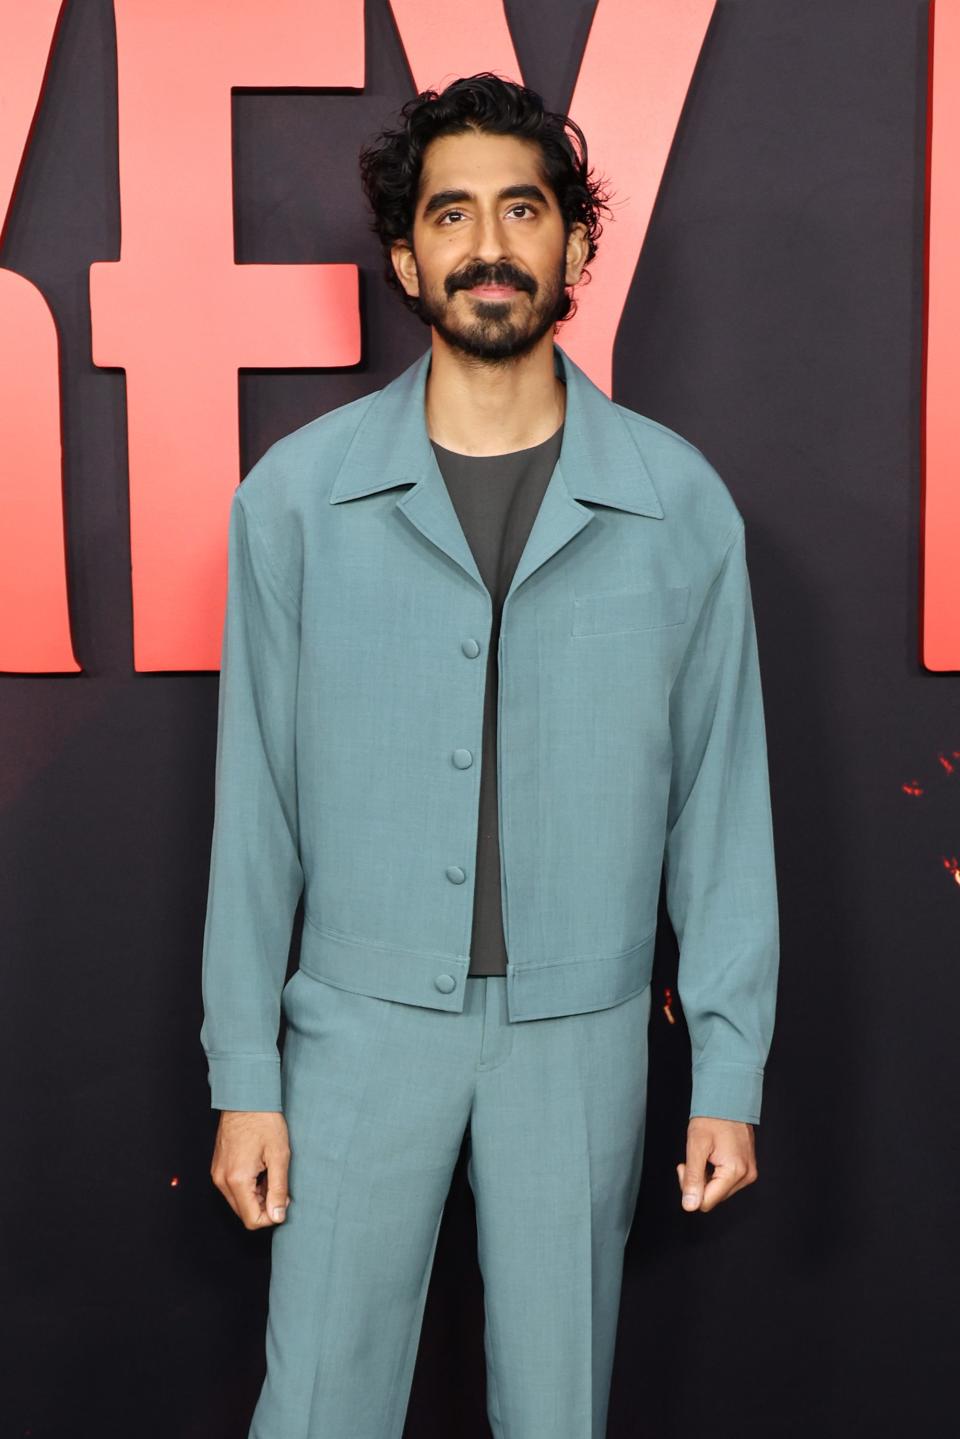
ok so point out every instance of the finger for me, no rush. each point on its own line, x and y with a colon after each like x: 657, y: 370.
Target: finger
x: 218, y: 1173
x: 726, y: 1179
x: 748, y: 1177
x: 278, y: 1197
x: 242, y: 1183
x: 224, y: 1189
x: 219, y: 1167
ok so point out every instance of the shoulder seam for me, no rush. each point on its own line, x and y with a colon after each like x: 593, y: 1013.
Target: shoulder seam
x: 637, y: 418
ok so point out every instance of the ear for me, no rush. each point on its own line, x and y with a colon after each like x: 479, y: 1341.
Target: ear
x: 405, y: 266
x: 577, y: 250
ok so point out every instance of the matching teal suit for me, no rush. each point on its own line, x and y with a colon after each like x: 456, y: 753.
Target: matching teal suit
x: 630, y: 744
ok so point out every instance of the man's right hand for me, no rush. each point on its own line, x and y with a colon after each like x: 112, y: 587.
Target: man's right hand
x: 251, y: 1158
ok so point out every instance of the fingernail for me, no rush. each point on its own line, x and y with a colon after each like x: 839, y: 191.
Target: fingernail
x: 689, y: 1201
x: 279, y: 1212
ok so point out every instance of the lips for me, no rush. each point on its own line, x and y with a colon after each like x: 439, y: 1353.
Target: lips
x: 493, y: 292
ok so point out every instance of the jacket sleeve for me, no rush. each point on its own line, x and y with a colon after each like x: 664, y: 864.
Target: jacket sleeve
x: 255, y: 873
x: 721, y: 889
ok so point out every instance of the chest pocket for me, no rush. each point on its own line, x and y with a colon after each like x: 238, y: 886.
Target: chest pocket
x: 621, y: 610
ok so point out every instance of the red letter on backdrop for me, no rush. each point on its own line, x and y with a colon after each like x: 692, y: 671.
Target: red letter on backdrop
x: 940, y: 524
x: 34, y: 619
x: 176, y: 312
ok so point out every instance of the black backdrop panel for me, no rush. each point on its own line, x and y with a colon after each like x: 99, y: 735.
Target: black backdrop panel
x: 775, y: 320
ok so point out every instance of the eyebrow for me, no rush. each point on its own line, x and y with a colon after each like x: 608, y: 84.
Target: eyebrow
x: 441, y: 198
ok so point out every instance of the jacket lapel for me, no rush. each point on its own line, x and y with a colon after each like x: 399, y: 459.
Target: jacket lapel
x: 600, y: 462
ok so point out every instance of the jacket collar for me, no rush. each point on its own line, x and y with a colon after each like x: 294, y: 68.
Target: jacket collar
x: 600, y: 461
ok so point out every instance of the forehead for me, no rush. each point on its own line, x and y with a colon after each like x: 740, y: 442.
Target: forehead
x: 480, y: 163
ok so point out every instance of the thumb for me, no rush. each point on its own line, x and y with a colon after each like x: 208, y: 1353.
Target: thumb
x: 693, y: 1174
x: 277, y: 1162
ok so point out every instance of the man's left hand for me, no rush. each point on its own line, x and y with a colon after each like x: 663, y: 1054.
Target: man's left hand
x: 727, y: 1145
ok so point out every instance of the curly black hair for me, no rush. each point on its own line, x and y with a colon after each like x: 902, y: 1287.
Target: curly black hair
x: 390, y: 166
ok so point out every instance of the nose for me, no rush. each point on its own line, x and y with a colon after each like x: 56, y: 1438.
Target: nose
x: 491, y: 244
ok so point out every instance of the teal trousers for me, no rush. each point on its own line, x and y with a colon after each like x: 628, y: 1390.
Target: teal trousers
x: 378, y: 1096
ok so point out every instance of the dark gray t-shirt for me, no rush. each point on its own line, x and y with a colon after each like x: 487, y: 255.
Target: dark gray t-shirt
x: 496, y: 498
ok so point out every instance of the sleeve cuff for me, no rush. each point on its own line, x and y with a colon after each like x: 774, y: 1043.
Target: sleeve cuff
x: 727, y: 1091
x: 246, y: 1081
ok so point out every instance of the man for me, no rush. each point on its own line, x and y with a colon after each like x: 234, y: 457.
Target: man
x: 489, y: 668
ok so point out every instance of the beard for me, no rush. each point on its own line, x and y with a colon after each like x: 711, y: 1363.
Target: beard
x: 494, y: 331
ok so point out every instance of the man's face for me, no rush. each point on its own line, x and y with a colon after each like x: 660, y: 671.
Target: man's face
x: 490, y: 258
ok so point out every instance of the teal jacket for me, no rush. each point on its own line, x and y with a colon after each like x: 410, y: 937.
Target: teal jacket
x: 631, y: 740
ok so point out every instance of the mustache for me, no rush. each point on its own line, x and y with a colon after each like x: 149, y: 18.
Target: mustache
x: 505, y: 275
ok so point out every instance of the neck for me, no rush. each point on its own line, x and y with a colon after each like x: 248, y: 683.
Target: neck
x: 479, y: 408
